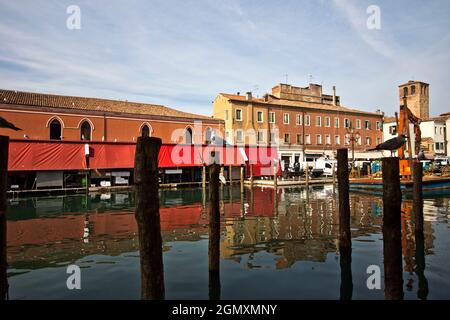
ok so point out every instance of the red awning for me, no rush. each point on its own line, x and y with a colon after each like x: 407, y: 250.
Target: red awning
x: 28, y: 155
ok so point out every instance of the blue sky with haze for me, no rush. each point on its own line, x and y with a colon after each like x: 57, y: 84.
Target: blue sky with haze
x: 183, y: 53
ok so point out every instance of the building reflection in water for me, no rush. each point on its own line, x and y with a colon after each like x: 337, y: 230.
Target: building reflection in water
x: 58, y: 229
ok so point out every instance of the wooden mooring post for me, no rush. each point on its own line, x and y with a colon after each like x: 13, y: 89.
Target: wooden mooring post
x: 230, y: 173
x: 4, y: 149
x: 345, y: 263
x: 417, y: 196
x: 334, y: 177
x: 345, y: 237
x: 251, y: 175
x: 275, y: 178
x: 242, y: 178
x: 422, y: 292
x: 214, y: 233
x: 148, y: 219
x: 306, y: 174
x: 204, y: 176
x: 392, y: 235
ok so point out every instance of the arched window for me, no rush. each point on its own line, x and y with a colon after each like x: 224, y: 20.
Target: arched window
x: 145, y: 131
x: 405, y: 91
x: 55, y: 130
x: 85, y: 131
x: 208, y: 135
x: 413, y: 90
x: 188, y: 136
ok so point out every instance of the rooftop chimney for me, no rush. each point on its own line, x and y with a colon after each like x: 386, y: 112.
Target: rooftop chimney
x: 249, y: 96
x: 334, y: 95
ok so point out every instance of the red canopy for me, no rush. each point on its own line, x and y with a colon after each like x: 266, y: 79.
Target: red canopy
x: 30, y: 155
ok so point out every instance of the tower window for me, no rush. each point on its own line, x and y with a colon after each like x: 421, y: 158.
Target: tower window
x: 145, y: 131
x: 413, y: 90
x: 405, y: 91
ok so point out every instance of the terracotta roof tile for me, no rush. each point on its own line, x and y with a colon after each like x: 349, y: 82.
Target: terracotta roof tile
x: 91, y: 104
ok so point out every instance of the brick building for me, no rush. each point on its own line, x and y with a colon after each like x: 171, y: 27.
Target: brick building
x: 72, y: 141
x: 305, y: 123
x: 56, y: 117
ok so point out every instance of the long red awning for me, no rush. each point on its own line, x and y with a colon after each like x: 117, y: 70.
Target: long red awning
x: 28, y: 155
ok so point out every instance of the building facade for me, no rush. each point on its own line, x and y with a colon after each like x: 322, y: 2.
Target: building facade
x: 55, y: 117
x: 305, y: 123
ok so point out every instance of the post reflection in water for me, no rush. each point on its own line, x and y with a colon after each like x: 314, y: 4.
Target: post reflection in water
x: 294, y: 253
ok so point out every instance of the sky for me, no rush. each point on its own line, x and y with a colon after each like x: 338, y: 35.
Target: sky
x: 182, y: 53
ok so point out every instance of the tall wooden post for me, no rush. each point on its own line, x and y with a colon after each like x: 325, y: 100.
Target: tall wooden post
x: 422, y: 292
x: 334, y: 177
x: 392, y: 236
x: 148, y: 219
x: 204, y: 177
x: 418, y: 196
x: 275, y: 178
x: 231, y: 174
x: 242, y: 179
x: 307, y: 173
x: 251, y: 175
x: 345, y: 237
x: 214, y: 233
x: 4, y: 149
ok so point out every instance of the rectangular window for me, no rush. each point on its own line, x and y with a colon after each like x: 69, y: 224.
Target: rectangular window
x: 239, y: 137
x: 307, y: 120
x: 298, y: 119
x: 259, y: 116
x: 318, y: 138
x: 287, y: 138
x: 238, y: 115
x: 272, y: 117
x: 307, y: 139
x: 393, y: 130
x: 347, y: 140
x: 227, y: 135
x: 378, y: 125
x: 367, y: 125
x: 347, y: 123
x: 327, y: 122
x: 328, y: 139
x: 378, y: 140
x: 358, y: 124
x: 226, y: 114
x: 337, y: 140
x: 336, y: 122
x: 286, y: 118
x: 299, y: 139
x: 318, y: 121
x: 367, y: 141
x: 358, y: 140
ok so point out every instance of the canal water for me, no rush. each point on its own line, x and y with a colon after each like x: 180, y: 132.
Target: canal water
x: 273, y: 245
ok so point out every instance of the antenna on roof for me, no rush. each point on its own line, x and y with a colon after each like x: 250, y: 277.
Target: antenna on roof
x: 287, y: 76
x: 310, y: 78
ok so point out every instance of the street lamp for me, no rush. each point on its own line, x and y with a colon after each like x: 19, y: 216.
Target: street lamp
x: 353, y: 137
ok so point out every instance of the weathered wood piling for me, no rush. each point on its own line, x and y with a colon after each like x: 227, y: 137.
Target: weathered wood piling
x: 242, y: 178
x: 418, y: 196
x: 148, y: 219
x: 345, y: 237
x: 392, y: 236
x: 422, y: 292
x: 4, y: 149
x: 214, y: 233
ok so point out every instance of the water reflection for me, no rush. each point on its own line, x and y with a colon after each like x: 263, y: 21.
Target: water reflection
x: 278, y: 234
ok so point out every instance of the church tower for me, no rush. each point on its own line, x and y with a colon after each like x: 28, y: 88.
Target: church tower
x: 417, y: 98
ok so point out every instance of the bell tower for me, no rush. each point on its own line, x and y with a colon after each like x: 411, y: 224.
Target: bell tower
x: 417, y: 98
